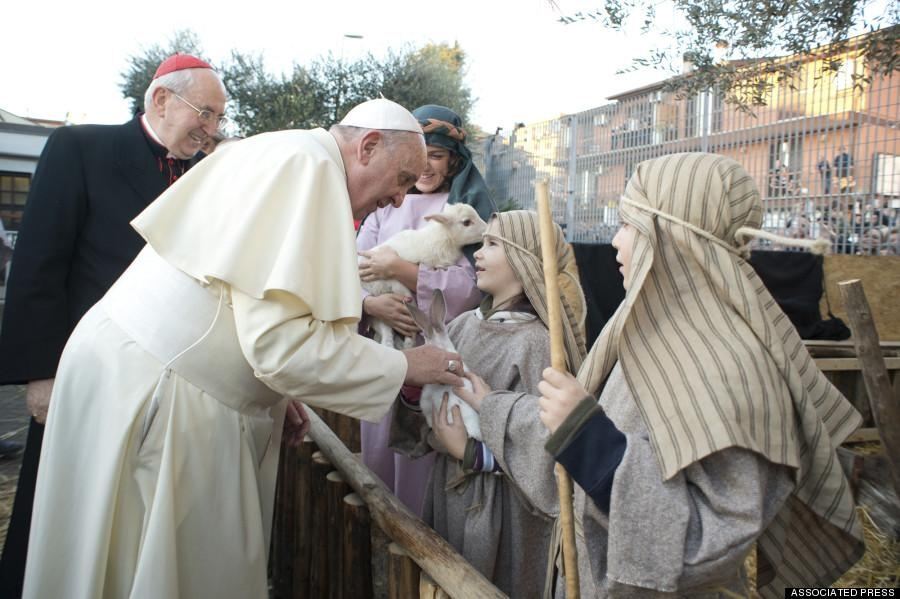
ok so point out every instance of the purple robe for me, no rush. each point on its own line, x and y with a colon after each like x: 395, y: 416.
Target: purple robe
x: 405, y: 477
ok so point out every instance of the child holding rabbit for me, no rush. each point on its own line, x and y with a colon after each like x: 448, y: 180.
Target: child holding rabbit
x: 495, y: 500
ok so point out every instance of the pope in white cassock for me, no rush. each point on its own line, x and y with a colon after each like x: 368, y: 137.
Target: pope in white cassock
x: 158, y: 468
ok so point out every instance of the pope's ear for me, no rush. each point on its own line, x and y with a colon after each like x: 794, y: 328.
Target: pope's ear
x: 367, y: 146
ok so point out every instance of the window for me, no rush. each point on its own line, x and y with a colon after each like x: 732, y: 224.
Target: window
x: 887, y: 174
x: 784, y: 166
x: 843, y: 79
x: 13, y: 193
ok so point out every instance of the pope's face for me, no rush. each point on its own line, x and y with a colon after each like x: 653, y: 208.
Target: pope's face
x: 181, y: 128
x: 384, y: 172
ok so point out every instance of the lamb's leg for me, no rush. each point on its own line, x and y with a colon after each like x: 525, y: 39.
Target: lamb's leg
x: 383, y: 333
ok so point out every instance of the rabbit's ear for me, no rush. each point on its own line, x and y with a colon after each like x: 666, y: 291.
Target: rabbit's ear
x: 421, y: 320
x: 438, y: 310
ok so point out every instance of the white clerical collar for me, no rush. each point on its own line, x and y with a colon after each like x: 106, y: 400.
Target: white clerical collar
x: 146, y: 123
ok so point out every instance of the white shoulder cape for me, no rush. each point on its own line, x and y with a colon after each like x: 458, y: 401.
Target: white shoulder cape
x: 270, y: 212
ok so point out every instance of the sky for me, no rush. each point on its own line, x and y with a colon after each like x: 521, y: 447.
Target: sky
x: 64, y: 59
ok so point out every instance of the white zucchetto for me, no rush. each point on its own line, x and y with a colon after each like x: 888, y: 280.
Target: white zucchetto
x: 381, y: 114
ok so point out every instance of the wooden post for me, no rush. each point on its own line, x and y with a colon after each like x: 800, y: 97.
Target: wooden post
x: 302, y: 551
x: 429, y: 590
x: 426, y: 547
x: 357, y: 549
x: 280, y: 559
x: 558, y: 361
x: 885, y: 404
x: 347, y: 430
x: 318, y: 567
x: 403, y: 573
x: 336, y: 489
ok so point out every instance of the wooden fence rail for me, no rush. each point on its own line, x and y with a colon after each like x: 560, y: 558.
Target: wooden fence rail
x: 322, y: 537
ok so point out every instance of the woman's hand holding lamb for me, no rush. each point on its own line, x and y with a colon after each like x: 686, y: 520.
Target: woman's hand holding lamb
x: 380, y: 264
x: 452, y: 436
x: 479, y: 391
x: 560, y: 393
x: 391, y: 308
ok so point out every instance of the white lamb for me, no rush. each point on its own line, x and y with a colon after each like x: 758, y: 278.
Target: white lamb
x: 437, y: 245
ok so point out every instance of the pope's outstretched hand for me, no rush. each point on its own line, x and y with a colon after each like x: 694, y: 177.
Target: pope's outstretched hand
x: 430, y: 364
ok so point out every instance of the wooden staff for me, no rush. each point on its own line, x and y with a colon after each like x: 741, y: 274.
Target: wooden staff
x: 558, y: 361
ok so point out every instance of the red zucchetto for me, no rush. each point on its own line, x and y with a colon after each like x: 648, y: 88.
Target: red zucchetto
x: 179, y: 62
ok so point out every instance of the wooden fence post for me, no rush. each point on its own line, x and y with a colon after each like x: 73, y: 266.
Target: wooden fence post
x: 357, y: 549
x: 280, y: 561
x: 347, y: 430
x: 403, y: 573
x: 885, y: 405
x: 431, y: 552
x: 318, y: 566
x: 336, y: 489
x: 301, y: 552
x: 428, y: 589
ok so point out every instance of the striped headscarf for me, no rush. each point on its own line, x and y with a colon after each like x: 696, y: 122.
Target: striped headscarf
x: 521, y: 240
x: 713, y: 362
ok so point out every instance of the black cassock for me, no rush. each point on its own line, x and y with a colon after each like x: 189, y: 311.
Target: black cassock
x: 74, y: 242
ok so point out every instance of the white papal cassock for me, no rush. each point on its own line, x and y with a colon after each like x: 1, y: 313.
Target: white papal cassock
x: 158, y: 467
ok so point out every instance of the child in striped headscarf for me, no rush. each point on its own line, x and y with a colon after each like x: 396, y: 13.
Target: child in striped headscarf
x: 714, y: 428
x: 496, y: 501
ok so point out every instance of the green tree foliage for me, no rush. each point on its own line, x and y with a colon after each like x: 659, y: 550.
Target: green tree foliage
x: 753, y: 31
x: 137, y: 76
x: 260, y: 101
x: 432, y: 74
x: 343, y: 84
x: 320, y: 94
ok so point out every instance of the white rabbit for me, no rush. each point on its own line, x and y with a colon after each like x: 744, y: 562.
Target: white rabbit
x: 435, y: 332
x: 437, y: 245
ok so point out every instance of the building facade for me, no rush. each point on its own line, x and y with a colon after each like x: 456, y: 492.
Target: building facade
x: 21, y: 143
x: 824, y: 150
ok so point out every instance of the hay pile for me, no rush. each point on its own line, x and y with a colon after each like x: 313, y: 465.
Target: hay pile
x: 880, y: 566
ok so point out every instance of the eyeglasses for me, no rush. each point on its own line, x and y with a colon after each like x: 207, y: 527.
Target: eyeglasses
x: 207, y: 117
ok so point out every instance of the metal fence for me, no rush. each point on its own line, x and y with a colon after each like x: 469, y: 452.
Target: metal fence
x: 825, y: 153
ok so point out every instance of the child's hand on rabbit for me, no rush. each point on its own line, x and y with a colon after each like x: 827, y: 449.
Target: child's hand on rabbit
x: 452, y: 436
x: 479, y: 390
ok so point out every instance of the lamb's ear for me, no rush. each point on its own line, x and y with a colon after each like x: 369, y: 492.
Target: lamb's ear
x: 438, y: 310
x: 420, y: 319
x: 441, y: 218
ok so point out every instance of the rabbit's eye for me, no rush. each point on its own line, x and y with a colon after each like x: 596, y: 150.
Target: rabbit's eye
x: 467, y: 222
